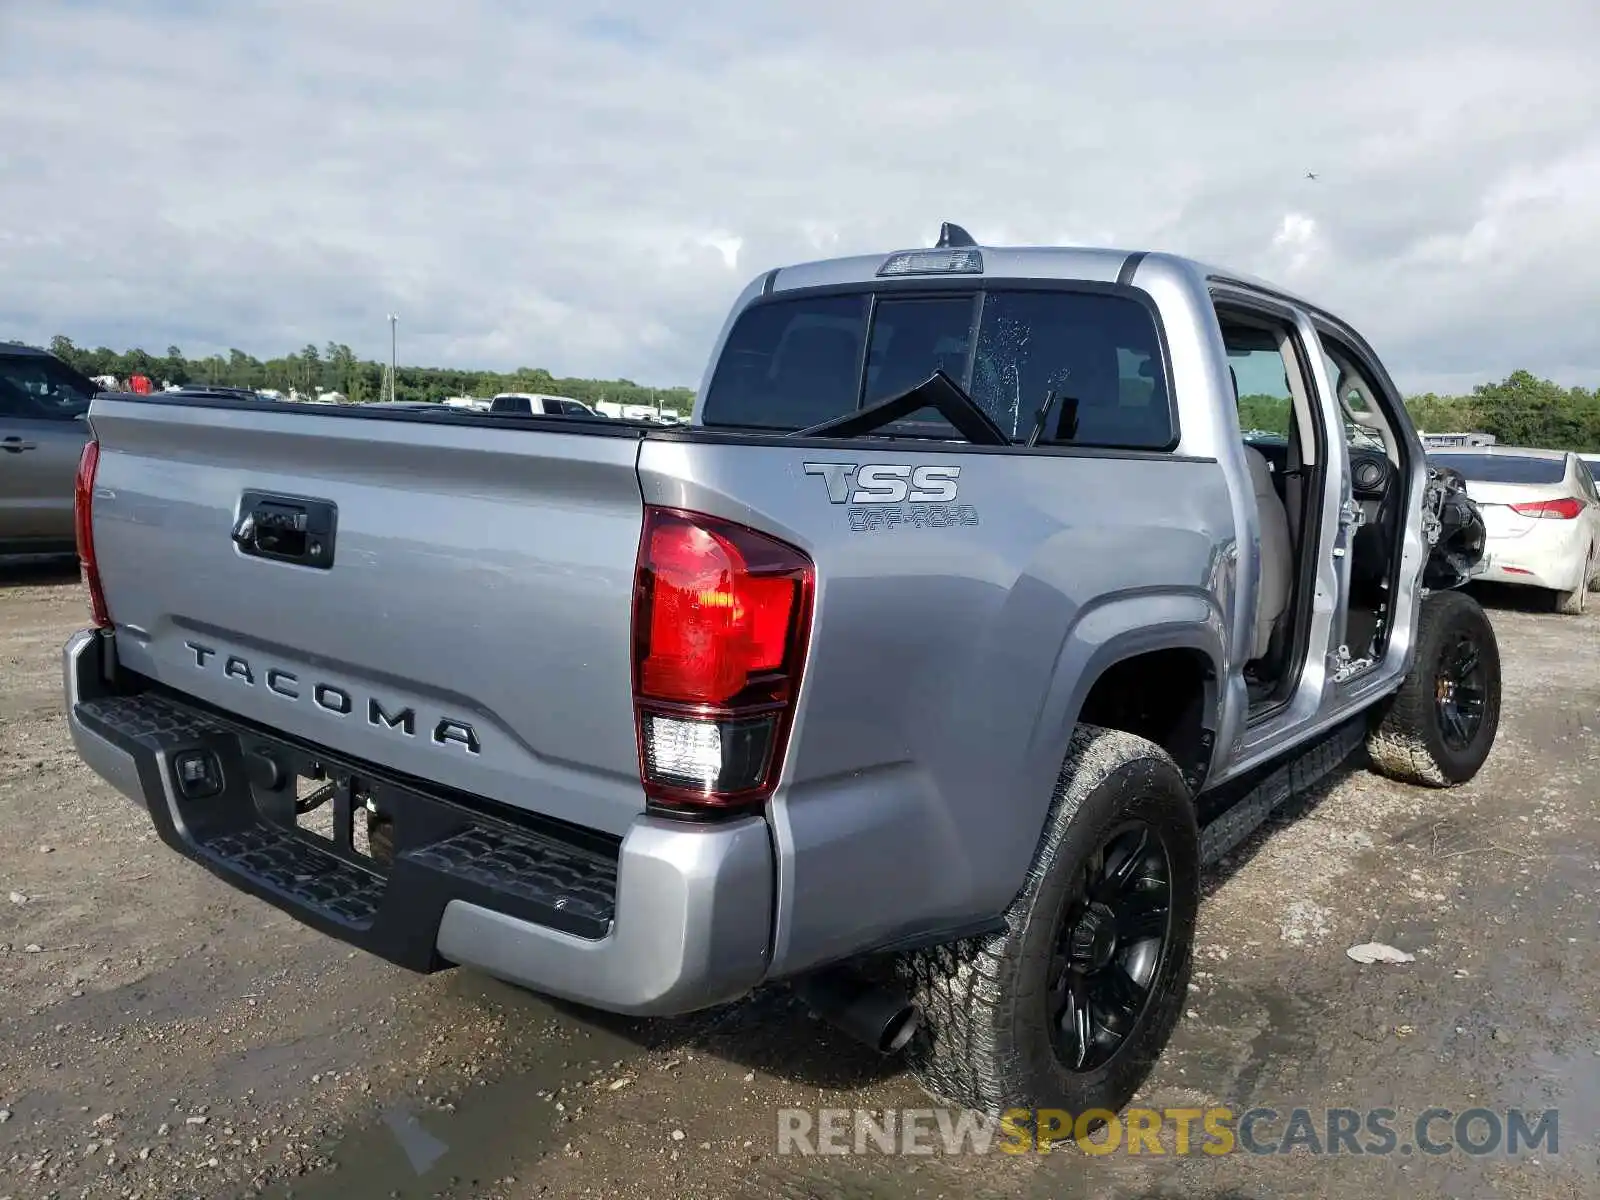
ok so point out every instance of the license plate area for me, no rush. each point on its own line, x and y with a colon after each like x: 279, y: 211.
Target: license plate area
x: 334, y: 806
x: 249, y: 805
x: 336, y: 811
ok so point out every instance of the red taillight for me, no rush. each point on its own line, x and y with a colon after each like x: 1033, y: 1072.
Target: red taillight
x: 720, y: 621
x: 83, y: 525
x: 1568, y: 508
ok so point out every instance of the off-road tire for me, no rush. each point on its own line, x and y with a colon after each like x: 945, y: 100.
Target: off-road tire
x: 1406, y: 741
x: 984, y: 1038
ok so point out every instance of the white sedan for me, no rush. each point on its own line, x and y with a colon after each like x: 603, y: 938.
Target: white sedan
x: 1541, y: 512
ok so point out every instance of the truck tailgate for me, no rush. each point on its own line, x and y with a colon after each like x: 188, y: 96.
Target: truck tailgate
x: 472, y: 628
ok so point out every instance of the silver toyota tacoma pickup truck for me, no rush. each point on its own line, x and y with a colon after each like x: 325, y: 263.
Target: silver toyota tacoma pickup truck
x: 923, y: 669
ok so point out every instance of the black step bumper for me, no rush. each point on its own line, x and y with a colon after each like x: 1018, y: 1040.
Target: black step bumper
x: 671, y: 918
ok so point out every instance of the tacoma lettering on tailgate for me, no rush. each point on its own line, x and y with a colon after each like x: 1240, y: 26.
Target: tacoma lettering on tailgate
x: 330, y: 698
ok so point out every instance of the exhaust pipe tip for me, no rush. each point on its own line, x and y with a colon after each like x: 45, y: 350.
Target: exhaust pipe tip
x: 898, y: 1031
x: 874, y: 1014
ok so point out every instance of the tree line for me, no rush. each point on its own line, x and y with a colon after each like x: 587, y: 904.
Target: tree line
x: 1521, y: 410
x: 335, y: 368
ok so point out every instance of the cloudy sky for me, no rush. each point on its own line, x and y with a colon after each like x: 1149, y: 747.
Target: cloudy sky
x: 586, y: 186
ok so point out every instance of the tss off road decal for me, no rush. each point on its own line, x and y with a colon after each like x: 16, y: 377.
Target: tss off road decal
x: 895, y: 495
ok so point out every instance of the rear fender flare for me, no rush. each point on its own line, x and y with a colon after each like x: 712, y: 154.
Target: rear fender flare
x: 1121, y: 627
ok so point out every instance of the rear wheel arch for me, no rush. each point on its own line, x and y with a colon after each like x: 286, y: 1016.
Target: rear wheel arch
x: 1170, y: 696
x: 1172, y: 635
x: 1141, y: 635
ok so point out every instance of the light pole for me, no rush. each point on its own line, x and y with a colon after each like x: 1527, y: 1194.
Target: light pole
x: 394, y: 320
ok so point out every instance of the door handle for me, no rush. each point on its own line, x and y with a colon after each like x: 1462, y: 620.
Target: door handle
x: 15, y: 445
x: 286, y: 528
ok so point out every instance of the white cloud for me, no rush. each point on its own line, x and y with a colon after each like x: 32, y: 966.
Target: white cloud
x: 726, y: 244
x: 820, y: 236
x: 586, y: 189
x: 1295, y: 243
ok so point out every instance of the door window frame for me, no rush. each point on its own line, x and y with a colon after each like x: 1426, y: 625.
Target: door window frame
x: 1312, y: 548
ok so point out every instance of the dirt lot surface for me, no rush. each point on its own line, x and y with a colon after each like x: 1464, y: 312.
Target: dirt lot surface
x: 162, y: 1035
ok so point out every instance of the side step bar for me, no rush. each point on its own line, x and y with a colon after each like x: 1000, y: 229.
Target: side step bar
x: 1229, y: 828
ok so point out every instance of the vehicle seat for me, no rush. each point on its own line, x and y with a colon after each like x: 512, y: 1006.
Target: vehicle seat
x: 1277, y: 559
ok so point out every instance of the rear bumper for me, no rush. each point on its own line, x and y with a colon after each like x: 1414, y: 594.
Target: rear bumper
x: 675, y: 918
x: 1554, y: 557
x: 1532, y: 570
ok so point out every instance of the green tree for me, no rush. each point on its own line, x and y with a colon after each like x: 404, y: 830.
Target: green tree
x: 239, y: 372
x: 175, y: 368
x: 1526, y: 410
x: 61, y: 346
x: 341, y: 362
x: 1268, y: 413
x: 311, y: 366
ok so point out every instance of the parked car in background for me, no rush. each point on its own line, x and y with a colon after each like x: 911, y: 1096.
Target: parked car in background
x: 1542, y: 514
x: 534, y: 404
x: 42, y: 433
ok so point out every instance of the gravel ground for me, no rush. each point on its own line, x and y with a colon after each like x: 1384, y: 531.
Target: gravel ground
x: 162, y: 1035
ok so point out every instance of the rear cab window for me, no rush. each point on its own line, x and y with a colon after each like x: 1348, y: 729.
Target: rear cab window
x: 792, y: 363
x: 1504, y: 468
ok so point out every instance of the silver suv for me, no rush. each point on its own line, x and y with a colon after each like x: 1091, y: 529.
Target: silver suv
x: 534, y: 404
x: 42, y: 432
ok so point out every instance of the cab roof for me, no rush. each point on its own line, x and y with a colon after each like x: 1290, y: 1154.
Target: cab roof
x: 1092, y: 263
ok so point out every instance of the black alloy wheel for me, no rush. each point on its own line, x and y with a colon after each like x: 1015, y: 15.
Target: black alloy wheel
x: 1110, y: 947
x: 1461, y: 690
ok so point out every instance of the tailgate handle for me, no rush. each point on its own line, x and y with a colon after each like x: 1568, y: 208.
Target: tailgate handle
x: 287, y: 529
